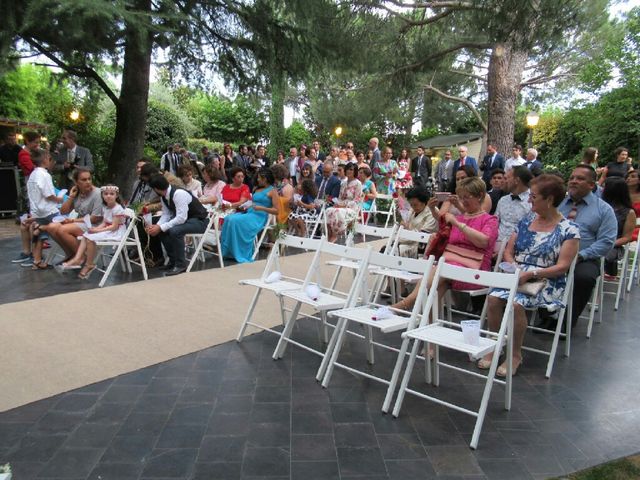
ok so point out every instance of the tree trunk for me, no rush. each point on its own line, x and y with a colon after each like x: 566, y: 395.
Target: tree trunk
x: 505, y: 74
x: 410, y: 116
x: 276, y: 114
x: 131, y: 111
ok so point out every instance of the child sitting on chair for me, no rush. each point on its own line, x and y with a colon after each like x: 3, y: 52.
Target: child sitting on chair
x: 111, y: 228
x: 304, y: 206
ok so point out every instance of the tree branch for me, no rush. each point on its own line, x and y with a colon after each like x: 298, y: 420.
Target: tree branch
x: 457, y: 5
x: 470, y: 75
x: 429, y: 58
x: 461, y: 100
x: 78, y: 71
x: 544, y: 79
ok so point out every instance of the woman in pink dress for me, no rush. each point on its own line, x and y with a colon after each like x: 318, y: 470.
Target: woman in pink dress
x: 473, y: 230
x: 214, y: 183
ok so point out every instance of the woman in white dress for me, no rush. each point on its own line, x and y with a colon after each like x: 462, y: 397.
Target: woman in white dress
x: 111, y: 228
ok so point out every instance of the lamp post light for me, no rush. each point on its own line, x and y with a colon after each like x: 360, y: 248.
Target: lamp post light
x: 532, y: 120
x: 338, y: 131
x: 74, y: 115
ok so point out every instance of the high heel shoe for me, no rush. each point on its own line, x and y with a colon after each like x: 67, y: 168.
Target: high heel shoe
x: 85, y: 274
x: 502, y: 369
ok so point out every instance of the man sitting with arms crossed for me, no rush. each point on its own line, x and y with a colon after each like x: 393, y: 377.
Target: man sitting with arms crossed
x: 182, y: 213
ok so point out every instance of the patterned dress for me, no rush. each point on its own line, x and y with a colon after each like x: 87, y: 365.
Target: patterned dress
x: 303, y: 213
x: 385, y: 185
x: 535, y: 250
x: 338, y: 219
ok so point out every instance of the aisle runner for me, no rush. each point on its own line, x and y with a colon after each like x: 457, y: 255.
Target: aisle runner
x: 60, y: 343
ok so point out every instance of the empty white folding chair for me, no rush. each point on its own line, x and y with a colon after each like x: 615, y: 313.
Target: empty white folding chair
x: 634, y: 270
x: 619, y: 281
x: 393, y: 275
x: 210, y: 236
x: 564, y: 316
x: 443, y: 334
x: 259, y: 240
x: 364, y: 230
x: 365, y: 315
x: 120, y: 252
x: 273, y: 280
x: 327, y: 298
x: 388, y: 213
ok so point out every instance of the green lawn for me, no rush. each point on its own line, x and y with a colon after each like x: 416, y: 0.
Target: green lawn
x: 624, y: 469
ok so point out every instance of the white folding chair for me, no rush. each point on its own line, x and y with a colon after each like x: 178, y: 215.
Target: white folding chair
x: 211, y: 235
x: 365, y: 316
x: 634, y: 271
x: 312, y: 226
x: 364, y: 230
x: 259, y: 240
x: 129, y: 239
x: 284, y: 283
x: 441, y: 333
x: 564, y: 315
x: 393, y: 275
x: 390, y: 213
x: 328, y: 298
x: 596, y: 300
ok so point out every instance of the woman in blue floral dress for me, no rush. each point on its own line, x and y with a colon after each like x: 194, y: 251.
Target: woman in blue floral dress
x: 385, y: 173
x: 543, y: 247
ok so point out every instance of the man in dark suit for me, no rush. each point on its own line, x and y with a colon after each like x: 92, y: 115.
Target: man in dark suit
x: 531, y: 161
x: 421, y: 168
x: 491, y: 161
x: 72, y: 155
x: 462, y: 161
x: 320, y: 155
x: 328, y: 183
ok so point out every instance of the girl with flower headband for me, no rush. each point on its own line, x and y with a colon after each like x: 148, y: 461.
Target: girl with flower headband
x: 111, y: 228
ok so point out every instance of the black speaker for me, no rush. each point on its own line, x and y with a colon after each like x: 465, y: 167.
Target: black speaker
x: 8, y: 190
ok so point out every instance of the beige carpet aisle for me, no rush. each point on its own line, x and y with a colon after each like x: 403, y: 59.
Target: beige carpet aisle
x: 56, y: 344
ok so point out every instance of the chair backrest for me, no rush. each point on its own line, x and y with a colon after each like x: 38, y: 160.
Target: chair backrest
x: 343, y: 252
x: 406, y: 235
x: 273, y: 260
x: 508, y: 281
x: 384, y: 196
x: 394, y: 262
x: 378, y: 232
x: 498, y: 249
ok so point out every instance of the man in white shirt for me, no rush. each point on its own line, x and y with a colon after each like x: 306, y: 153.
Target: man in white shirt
x: 514, y: 206
x: 43, y: 203
x: 182, y: 213
x: 515, y: 159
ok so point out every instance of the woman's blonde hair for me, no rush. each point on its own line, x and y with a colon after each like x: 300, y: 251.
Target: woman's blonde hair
x: 474, y: 186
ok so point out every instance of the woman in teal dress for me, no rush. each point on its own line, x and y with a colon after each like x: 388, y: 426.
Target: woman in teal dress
x: 241, y: 228
x: 385, y: 173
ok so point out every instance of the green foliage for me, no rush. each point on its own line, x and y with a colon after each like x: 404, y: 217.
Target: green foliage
x: 296, y: 135
x: 196, y: 144
x: 225, y: 120
x: 165, y: 126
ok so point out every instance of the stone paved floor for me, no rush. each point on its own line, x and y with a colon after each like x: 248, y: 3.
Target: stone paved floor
x: 231, y: 412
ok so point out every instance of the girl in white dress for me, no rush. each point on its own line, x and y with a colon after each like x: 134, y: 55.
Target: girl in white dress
x: 111, y: 228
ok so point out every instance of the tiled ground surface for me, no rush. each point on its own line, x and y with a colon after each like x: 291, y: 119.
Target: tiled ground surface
x: 231, y: 412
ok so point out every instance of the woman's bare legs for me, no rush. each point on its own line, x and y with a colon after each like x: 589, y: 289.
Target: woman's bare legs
x: 78, y: 258
x: 495, y: 312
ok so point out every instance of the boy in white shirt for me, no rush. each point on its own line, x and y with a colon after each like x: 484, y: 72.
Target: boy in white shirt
x: 43, y: 203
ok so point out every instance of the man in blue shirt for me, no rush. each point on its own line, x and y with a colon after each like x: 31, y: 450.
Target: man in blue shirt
x: 598, y: 232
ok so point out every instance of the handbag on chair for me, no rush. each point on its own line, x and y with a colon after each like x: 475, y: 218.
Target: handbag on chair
x: 464, y: 256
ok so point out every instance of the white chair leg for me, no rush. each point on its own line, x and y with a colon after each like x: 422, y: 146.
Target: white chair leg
x: 368, y: 336
x: 286, y: 332
x: 405, y: 379
x: 248, y: 316
x: 339, y: 334
x: 395, y: 376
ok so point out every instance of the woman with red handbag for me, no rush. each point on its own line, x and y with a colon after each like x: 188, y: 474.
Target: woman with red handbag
x: 471, y: 240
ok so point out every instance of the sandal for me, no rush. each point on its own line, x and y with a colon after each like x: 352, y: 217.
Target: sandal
x: 41, y: 265
x: 86, y: 272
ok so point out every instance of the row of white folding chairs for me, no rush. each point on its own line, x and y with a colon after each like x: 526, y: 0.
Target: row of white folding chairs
x: 359, y: 296
x: 389, y: 213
